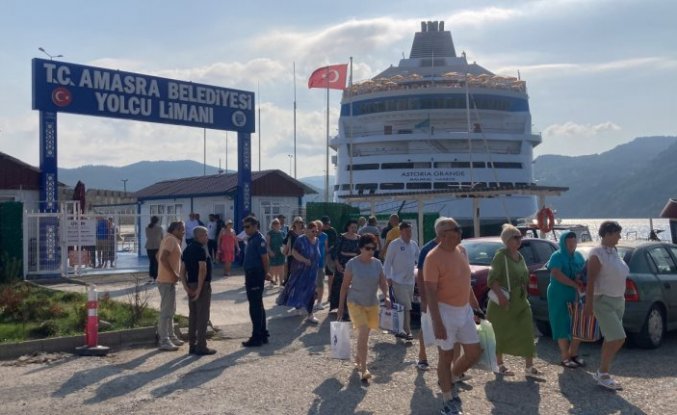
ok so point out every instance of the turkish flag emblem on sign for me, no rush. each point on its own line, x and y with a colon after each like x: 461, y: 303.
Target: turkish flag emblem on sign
x: 332, y: 77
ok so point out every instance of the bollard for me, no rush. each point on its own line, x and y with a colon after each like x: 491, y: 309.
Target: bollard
x: 91, y: 347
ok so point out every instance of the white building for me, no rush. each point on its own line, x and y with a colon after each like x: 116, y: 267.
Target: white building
x: 273, y: 193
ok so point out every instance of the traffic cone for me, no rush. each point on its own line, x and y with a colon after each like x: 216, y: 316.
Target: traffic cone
x: 91, y: 347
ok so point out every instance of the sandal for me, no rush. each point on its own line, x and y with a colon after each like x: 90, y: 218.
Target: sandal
x: 532, y: 372
x: 366, y: 375
x: 579, y: 361
x: 570, y: 363
x: 502, y: 370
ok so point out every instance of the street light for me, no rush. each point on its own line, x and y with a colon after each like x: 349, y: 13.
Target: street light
x: 51, y: 57
x: 291, y: 156
x: 124, y: 184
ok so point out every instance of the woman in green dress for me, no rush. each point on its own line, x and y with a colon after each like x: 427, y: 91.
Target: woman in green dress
x: 565, y: 267
x: 511, y: 317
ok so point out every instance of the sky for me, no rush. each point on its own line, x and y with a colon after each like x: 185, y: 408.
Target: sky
x: 599, y: 72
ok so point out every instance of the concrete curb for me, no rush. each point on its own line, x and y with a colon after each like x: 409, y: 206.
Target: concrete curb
x: 113, y: 339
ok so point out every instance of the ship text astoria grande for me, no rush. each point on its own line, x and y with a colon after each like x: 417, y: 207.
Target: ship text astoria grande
x: 437, y: 123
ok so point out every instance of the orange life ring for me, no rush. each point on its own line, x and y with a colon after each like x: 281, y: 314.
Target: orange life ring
x: 546, y: 220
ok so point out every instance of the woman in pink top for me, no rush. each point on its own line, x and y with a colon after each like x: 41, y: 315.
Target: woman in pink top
x: 227, y: 247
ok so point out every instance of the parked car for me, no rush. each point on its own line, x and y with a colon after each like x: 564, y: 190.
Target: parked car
x: 650, y: 291
x: 481, y: 251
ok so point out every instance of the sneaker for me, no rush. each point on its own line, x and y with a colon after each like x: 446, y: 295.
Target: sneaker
x: 532, y: 372
x: 423, y: 365
x: 252, y: 342
x: 311, y: 319
x: 408, y: 337
x: 318, y: 307
x: 452, y: 407
x: 168, y: 347
x: 401, y: 335
x: 605, y: 380
x: 191, y: 349
x: 176, y: 341
x: 204, y: 352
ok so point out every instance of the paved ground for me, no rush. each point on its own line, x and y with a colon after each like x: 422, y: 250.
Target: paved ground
x: 294, y: 374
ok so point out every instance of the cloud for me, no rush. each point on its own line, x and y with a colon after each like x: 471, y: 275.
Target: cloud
x: 558, y: 69
x: 571, y: 128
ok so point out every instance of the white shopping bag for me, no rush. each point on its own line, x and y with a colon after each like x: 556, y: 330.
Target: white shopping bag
x: 340, y: 339
x: 427, y: 329
x: 487, y: 360
x: 393, y: 319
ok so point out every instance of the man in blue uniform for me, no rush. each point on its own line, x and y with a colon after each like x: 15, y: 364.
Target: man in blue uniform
x: 256, y: 271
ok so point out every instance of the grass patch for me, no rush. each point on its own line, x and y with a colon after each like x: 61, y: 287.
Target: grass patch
x: 30, y: 312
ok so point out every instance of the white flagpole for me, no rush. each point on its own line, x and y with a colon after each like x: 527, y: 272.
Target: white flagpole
x: 350, y: 129
x: 326, y: 171
x: 259, y: 101
x: 295, y: 120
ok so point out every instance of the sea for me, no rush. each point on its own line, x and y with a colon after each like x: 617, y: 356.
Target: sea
x: 632, y: 228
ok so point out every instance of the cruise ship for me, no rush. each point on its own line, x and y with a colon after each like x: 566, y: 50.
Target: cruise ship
x: 436, y: 123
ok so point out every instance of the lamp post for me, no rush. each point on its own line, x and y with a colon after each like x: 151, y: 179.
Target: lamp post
x: 291, y: 157
x: 51, y: 57
x: 124, y: 185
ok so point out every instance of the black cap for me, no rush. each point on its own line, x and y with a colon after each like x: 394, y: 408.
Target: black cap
x: 325, y: 219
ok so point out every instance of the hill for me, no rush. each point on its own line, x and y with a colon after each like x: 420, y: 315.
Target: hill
x: 630, y: 181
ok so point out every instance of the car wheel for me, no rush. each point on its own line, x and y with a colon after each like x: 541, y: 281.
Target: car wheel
x: 651, y: 335
x: 544, y: 327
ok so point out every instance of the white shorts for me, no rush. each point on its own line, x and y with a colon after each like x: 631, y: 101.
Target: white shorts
x: 460, y: 326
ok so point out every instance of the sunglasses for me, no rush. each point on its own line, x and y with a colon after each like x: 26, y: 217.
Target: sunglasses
x: 369, y: 247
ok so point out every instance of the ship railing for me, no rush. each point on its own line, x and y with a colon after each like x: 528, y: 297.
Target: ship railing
x: 384, y: 85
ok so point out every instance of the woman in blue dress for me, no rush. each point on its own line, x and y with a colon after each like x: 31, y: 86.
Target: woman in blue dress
x: 300, y: 289
x: 565, y: 267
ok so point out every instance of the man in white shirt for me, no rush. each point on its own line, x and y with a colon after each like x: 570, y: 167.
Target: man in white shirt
x: 191, y: 224
x: 399, y: 265
x: 211, y: 235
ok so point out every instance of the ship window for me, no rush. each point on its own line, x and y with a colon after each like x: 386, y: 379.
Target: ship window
x: 418, y: 185
x: 366, y: 186
x: 392, y: 186
x: 445, y: 185
x: 387, y: 129
x: 397, y: 166
x: 466, y: 184
x: 506, y: 184
x: 507, y: 165
x: 345, y: 187
x: 336, y: 187
x: 478, y: 164
x: 405, y: 131
x: 421, y: 165
x: 460, y: 164
x: 437, y: 101
x: 370, y: 166
x: 521, y: 184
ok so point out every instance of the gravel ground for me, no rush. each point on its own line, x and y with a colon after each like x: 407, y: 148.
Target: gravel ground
x: 295, y: 375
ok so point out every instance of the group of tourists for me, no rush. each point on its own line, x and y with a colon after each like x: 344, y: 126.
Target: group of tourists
x: 303, y: 257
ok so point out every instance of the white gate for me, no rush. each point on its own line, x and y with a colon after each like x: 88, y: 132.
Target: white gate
x: 69, y: 243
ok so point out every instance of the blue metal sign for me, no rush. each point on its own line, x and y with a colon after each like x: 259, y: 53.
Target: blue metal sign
x: 88, y: 90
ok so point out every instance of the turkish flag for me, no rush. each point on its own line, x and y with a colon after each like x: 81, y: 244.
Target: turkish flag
x: 332, y: 77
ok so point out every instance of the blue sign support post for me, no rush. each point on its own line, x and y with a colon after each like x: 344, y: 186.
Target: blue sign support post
x: 243, y: 198
x: 48, y: 163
